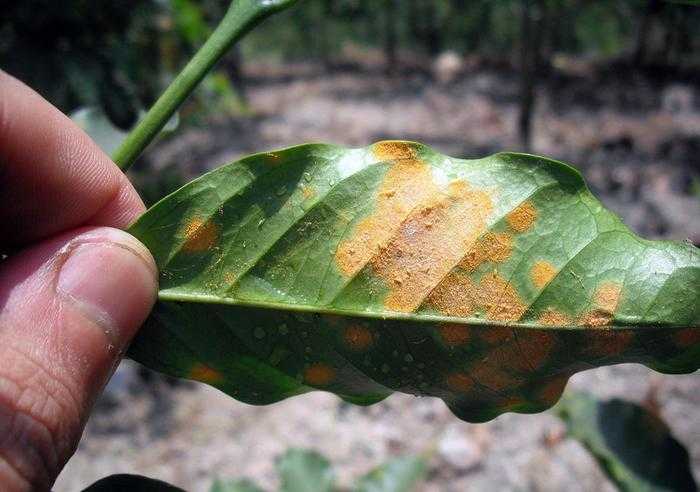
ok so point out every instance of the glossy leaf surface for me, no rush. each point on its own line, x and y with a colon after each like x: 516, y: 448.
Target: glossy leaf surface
x: 633, y: 446
x: 484, y: 282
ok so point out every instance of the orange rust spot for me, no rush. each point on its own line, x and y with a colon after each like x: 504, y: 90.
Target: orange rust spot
x: 205, y: 374
x: 272, y: 158
x: 499, y: 299
x: 453, y: 334
x: 493, y: 377
x: 513, y: 402
x: 551, y: 391
x: 393, y: 150
x: 334, y: 320
x: 408, y: 182
x: 308, y: 192
x: 606, y: 299
x: 457, y: 295
x: 542, y: 272
x: 357, y: 337
x: 319, y: 374
x: 200, y: 235
x: 494, y: 335
x: 429, y: 244
x: 608, y: 342
x: 535, y: 346
x: 230, y: 277
x: 552, y: 317
x: 687, y: 337
x: 495, y: 247
x: 460, y: 382
x: 596, y: 318
x: 453, y: 296
x: 607, y: 296
x: 522, y: 217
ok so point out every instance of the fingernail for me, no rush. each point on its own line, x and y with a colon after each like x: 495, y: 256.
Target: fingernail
x: 111, y: 277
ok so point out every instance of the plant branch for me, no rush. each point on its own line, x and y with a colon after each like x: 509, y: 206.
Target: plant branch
x: 241, y: 17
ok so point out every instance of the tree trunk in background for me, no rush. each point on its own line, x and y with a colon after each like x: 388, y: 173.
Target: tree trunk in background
x: 425, y: 26
x: 390, y: 19
x: 531, y: 26
x: 433, y: 32
x: 644, y: 31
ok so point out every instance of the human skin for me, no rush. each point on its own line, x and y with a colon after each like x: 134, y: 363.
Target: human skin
x: 74, y: 287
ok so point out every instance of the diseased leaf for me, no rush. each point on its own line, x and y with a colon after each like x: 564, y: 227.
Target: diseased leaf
x: 305, y: 471
x: 484, y: 282
x: 634, y: 447
x: 398, y: 475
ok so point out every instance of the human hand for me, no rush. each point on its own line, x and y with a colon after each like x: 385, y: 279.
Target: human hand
x: 73, y: 294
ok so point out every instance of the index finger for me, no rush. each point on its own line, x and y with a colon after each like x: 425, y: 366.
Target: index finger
x: 52, y: 175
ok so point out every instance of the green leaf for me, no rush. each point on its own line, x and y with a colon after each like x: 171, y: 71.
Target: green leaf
x: 234, y: 486
x: 132, y: 483
x: 305, y: 471
x: 484, y: 282
x: 398, y: 475
x: 633, y: 446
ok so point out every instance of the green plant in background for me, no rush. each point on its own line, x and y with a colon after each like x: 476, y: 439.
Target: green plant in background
x: 484, y: 282
x: 632, y: 445
x: 299, y: 471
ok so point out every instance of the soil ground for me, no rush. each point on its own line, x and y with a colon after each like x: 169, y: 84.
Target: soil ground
x: 635, y: 139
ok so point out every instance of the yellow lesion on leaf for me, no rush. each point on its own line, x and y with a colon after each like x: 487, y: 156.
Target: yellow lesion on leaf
x: 200, y: 235
x: 542, y: 272
x: 358, y: 337
x: 552, y: 317
x: 499, y: 298
x: 308, y: 192
x: 495, y: 247
x: 453, y: 334
x: 457, y: 295
x: 393, y: 150
x: 596, y: 318
x: 522, y: 217
x: 272, y: 158
x: 319, y: 374
x: 453, y: 296
x: 407, y: 183
x: 606, y: 298
x: 205, y: 374
x: 429, y: 244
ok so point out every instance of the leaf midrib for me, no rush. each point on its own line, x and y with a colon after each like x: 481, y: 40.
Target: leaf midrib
x: 165, y: 296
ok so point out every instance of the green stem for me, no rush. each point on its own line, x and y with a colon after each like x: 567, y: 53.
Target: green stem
x: 241, y: 16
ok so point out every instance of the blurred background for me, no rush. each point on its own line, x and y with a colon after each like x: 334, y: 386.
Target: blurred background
x: 612, y: 87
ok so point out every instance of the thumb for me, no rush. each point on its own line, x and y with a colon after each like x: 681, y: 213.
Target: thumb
x: 68, y: 309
